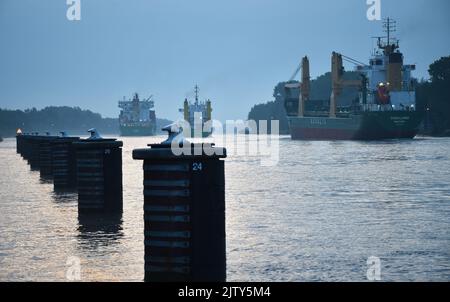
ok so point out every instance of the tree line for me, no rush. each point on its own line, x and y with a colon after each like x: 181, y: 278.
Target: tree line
x: 433, y: 98
x: 53, y: 119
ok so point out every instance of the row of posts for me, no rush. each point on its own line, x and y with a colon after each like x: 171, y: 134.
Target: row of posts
x: 184, y: 197
x: 92, y: 167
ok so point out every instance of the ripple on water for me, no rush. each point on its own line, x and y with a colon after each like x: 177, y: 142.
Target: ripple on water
x: 316, y: 216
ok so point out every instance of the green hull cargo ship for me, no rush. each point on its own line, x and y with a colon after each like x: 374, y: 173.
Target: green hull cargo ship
x: 358, y: 126
x: 137, y: 118
x: 384, y: 108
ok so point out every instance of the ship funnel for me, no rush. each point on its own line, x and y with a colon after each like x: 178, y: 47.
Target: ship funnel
x: 394, y: 71
x: 94, y: 134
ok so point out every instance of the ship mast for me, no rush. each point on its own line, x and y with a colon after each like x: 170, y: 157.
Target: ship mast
x: 196, y: 90
x: 389, y: 27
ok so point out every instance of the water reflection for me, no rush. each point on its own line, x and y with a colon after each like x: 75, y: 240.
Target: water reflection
x: 44, y: 179
x: 317, y: 215
x: 98, y: 230
x: 64, y: 196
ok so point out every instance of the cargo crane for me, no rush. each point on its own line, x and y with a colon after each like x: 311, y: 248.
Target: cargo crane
x: 304, y: 84
x: 338, y: 83
x: 292, y: 78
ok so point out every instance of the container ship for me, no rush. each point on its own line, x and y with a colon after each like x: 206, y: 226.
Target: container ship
x: 197, y: 113
x: 385, y: 107
x: 137, y: 118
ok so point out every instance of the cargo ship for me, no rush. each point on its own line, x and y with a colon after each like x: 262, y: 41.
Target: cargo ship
x: 384, y: 108
x: 197, y: 113
x: 137, y: 118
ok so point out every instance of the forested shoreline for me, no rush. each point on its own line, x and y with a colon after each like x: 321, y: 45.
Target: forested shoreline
x: 53, y: 119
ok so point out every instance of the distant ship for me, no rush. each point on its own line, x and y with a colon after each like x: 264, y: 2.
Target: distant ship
x: 384, y: 109
x: 137, y: 118
x: 197, y: 113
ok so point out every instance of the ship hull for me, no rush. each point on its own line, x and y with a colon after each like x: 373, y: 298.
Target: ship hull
x: 364, y: 126
x: 137, y: 131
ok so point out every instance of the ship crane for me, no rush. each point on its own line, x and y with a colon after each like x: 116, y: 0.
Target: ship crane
x: 337, y: 82
x: 292, y: 78
x: 352, y: 61
x: 148, y: 99
x: 304, y: 84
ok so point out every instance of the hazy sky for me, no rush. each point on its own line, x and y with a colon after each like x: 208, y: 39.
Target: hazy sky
x: 236, y: 50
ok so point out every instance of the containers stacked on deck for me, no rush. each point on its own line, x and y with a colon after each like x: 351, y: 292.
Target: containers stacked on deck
x: 184, y: 213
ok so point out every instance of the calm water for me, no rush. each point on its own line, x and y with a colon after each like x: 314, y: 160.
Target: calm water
x: 316, y: 216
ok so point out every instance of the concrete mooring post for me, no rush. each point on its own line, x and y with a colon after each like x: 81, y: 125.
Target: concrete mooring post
x: 33, y: 151
x: 64, y: 165
x: 45, y: 156
x: 99, y: 174
x: 20, y: 138
x: 184, y: 213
